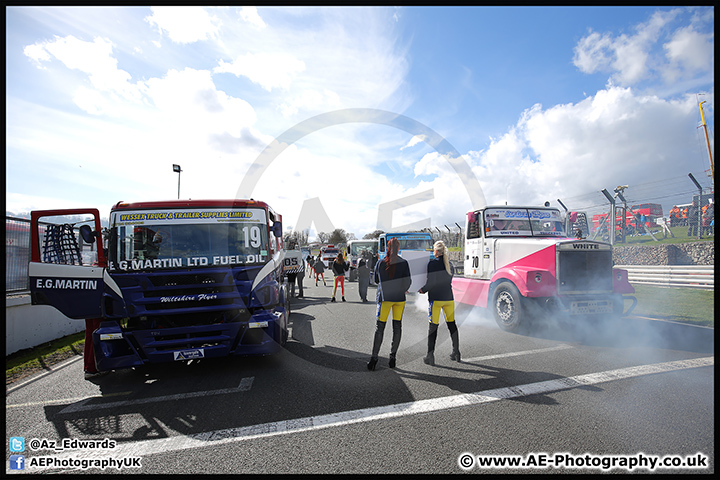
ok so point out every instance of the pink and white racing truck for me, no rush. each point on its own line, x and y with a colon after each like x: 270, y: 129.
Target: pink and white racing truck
x: 520, y: 263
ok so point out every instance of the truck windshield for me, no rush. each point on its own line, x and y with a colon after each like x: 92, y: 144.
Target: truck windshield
x: 357, y: 249
x: 523, y: 222
x: 415, y: 243
x: 188, y: 239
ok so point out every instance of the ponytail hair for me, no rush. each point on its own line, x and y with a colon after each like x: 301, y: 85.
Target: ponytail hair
x: 440, y: 247
x: 393, y: 245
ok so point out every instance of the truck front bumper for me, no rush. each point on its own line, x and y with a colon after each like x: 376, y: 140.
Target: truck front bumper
x: 115, y: 348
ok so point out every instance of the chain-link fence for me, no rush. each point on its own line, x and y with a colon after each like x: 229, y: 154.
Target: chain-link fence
x: 17, y: 252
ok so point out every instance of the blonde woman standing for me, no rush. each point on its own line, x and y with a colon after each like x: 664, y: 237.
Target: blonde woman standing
x: 440, y: 298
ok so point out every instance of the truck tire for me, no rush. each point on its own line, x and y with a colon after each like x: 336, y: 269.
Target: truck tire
x: 507, y: 306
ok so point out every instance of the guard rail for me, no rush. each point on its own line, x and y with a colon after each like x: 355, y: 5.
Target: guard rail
x: 688, y: 276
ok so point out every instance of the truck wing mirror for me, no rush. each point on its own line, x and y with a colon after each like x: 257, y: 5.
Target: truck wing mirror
x: 87, y: 234
x: 277, y: 229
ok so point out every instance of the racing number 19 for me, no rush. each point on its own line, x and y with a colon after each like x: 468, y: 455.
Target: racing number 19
x: 253, y: 238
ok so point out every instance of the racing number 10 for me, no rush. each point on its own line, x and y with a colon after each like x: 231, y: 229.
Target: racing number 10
x: 475, y: 262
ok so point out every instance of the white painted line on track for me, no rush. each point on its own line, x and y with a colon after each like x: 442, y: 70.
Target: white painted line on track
x: 515, y: 354
x: 233, y: 435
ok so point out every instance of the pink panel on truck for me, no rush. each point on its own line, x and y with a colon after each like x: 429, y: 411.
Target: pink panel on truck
x: 470, y: 291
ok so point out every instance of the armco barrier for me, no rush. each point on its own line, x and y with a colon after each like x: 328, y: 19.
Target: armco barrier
x: 28, y: 326
x: 688, y: 276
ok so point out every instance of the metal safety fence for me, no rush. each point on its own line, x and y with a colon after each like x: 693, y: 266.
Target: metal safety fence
x: 688, y: 276
x: 17, y: 252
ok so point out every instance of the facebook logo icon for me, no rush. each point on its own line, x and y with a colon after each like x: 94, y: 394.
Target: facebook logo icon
x: 17, y: 462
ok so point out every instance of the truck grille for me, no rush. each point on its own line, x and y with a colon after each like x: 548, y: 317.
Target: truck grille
x: 584, y: 271
x: 176, y: 293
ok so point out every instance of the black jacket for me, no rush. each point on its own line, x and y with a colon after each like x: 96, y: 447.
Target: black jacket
x: 392, y: 289
x: 439, y: 282
x: 340, y: 268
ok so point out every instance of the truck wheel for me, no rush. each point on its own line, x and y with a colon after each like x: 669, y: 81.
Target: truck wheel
x: 507, y: 307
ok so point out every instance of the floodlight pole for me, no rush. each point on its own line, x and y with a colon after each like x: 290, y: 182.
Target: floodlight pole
x: 176, y: 168
x: 611, y: 199
x: 699, y: 205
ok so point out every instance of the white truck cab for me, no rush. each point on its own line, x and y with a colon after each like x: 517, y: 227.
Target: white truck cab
x: 519, y: 261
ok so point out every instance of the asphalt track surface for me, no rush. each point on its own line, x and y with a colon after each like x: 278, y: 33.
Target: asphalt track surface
x: 591, y: 392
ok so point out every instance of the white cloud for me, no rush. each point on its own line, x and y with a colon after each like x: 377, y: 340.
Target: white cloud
x: 37, y: 53
x: 184, y: 24
x: 312, y: 61
x: 614, y: 137
x: 92, y: 58
x: 250, y: 15
x: 593, y: 53
x: 414, y: 141
x: 631, y: 59
x: 132, y: 131
x: 689, y: 52
x: 311, y: 100
x: 269, y: 70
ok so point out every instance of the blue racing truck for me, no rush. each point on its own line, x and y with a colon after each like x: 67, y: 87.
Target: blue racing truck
x: 416, y: 248
x: 171, y: 280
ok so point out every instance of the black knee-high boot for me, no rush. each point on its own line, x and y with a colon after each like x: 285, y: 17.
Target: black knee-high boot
x: 397, y: 333
x: 432, y: 338
x: 455, y: 355
x: 377, y: 342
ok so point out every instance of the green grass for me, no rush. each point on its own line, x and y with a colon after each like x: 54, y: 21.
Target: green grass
x: 687, y: 305
x: 31, y: 360
x: 680, y: 233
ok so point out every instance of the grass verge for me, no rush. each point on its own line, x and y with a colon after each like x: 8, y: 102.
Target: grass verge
x: 33, y: 360
x: 687, y: 305
x: 680, y: 236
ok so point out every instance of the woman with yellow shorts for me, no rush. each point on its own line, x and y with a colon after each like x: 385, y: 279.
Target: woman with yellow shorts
x: 440, y: 298
x: 392, y: 276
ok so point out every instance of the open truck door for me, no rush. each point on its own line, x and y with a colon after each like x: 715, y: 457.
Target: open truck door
x: 61, y: 274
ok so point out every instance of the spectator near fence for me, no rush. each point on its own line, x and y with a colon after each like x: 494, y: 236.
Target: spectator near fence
x: 708, y: 218
x: 674, y: 216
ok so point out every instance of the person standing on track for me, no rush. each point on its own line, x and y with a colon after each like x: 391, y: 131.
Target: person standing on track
x: 392, y: 276
x: 339, y: 267
x: 440, y: 298
x: 319, y: 268
x: 363, y: 275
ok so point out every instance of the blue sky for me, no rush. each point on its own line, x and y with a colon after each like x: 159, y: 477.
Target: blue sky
x: 540, y: 103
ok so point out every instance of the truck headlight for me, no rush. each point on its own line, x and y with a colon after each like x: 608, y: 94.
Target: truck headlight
x: 538, y: 277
